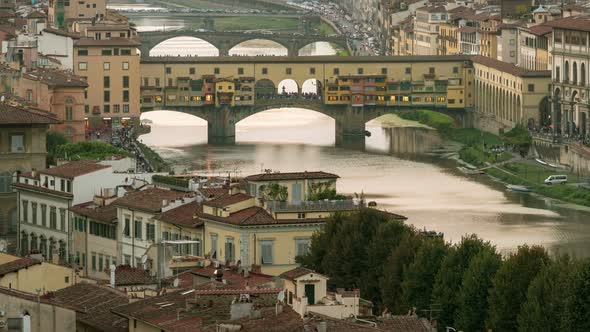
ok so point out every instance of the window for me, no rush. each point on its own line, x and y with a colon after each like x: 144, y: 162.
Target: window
x: 213, y: 246
x: 125, y: 65
x: 146, y: 81
x: 191, y: 71
x: 100, y: 266
x: 360, y: 71
x: 125, y: 51
x: 383, y: 71
x: 151, y: 232
x: 312, y: 70
x: 240, y: 71
x: 17, y: 143
x: 127, y: 228
x: 25, y: 214
x: 301, y: 246
x: 107, y: 108
x: 229, y: 250
x: 116, y: 108
x: 86, y: 109
x: 82, y: 66
x: 52, y: 217
x: 107, y: 96
x: 127, y: 259
x: 34, y: 213
x: 531, y: 88
x: 301, y: 215
x: 106, y: 65
x: 197, y: 247
x: 116, y: 51
x: 44, y: 215
x: 431, y: 70
x: 93, y: 261
x: 216, y: 70
x: 288, y: 71
x: 125, y: 108
x: 157, y: 82
x: 408, y: 70
x: 264, y: 71
x: 125, y: 82
x: 168, y: 70
x: 106, y: 52
x: 106, y: 81
x: 266, y: 248
x: 125, y: 96
x: 137, y: 229
x: 455, y: 70
x: 69, y: 110
x: 336, y: 71
x: 82, y: 52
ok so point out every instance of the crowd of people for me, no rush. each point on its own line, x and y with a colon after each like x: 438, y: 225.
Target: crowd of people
x: 124, y: 138
x: 289, y: 95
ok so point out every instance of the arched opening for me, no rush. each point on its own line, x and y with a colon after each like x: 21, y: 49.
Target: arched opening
x: 258, y: 47
x: 518, y: 113
x: 24, y: 243
x: 544, y: 113
x: 575, y: 121
x: 582, y: 74
x: 184, y: 46
x: 264, y: 89
x: 287, y: 125
x: 288, y: 87
x: 311, y: 89
x: 566, y: 72
x: 556, y: 123
x: 320, y: 48
x: 188, y: 130
x: 575, y: 73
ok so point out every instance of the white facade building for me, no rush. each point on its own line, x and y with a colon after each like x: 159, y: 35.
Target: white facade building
x: 59, y: 45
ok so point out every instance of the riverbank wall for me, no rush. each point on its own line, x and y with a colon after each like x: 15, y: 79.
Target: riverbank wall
x: 489, y: 123
x: 412, y: 140
x: 572, y: 155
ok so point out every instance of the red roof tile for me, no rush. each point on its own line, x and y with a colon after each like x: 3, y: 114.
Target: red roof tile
x: 212, y: 193
x: 298, y: 272
x: 56, y: 78
x: 17, y: 265
x: 126, y: 275
x: 17, y: 115
x: 580, y: 23
x: 509, y: 68
x: 74, y: 169
x: 232, y: 278
x: 184, y: 215
x: 255, y: 216
x: 106, y: 213
x: 150, y: 199
x: 227, y: 200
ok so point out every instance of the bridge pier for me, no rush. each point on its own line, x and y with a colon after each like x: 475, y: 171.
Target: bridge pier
x: 221, y: 127
x: 350, y: 127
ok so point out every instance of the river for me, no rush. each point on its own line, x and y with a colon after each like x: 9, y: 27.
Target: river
x: 428, y: 190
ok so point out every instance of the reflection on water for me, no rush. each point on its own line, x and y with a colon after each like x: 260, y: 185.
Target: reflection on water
x: 431, y: 192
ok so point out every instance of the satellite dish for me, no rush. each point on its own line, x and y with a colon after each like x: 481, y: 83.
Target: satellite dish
x: 176, y: 282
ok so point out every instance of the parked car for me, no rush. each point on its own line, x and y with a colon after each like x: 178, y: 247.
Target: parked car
x: 556, y: 179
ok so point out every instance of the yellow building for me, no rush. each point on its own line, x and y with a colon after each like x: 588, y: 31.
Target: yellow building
x: 111, y: 69
x: 28, y: 274
x: 225, y: 90
x: 299, y: 185
x: 448, y: 39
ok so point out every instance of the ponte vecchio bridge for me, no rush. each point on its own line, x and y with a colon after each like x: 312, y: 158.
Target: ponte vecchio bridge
x: 351, y: 90
x: 225, y: 41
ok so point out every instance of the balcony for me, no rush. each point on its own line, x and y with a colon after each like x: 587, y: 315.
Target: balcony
x: 315, y: 206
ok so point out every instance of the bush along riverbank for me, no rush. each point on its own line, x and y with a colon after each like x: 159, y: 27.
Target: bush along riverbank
x: 156, y: 162
x: 506, y: 152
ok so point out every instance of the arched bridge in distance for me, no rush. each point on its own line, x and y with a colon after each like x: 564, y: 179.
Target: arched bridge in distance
x: 351, y: 90
x: 225, y: 41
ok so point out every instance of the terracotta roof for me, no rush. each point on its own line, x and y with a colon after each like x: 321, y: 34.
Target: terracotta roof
x: 17, y: 115
x: 228, y: 200
x: 432, y: 9
x: 150, y: 199
x: 63, y: 33
x: 107, y: 214
x: 184, y: 215
x: 35, y: 14
x: 298, y: 272
x: 509, y: 68
x: 286, y: 321
x: 56, y: 78
x: 581, y: 23
x: 126, y: 275
x: 74, y: 169
x: 30, y: 187
x: 291, y: 176
x: 105, y: 42
x: 405, y: 324
x: 212, y: 193
x: 257, y: 216
x: 232, y: 277
x: 18, y: 264
x: 93, y: 305
x: 467, y: 29
x: 541, y: 30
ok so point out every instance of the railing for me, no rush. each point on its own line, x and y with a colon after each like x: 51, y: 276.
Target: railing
x: 339, y: 205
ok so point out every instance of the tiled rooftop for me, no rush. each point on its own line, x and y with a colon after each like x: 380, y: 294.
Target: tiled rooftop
x: 227, y: 200
x: 10, y: 114
x: 184, y: 215
x: 107, y: 214
x: 17, y: 265
x: 150, y: 199
x: 74, y: 169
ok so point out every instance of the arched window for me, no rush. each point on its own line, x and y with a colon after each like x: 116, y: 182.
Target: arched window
x: 575, y: 73
x: 43, y: 246
x: 557, y: 74
x: 583, y: 74
x: 69, y: 109
x: 24, y: 243
x: 5, y: 182
x: 566, y: 72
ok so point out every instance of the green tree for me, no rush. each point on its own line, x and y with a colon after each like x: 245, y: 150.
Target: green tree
x: 576, y: 316
x: 510, y: 285
x: 546, y: 297
x: 397, y: 263
x: 88, y: 151
x: 388, y: 236
x: 472, y: 299
x: 519, y: 137
x: 320, y: 191
x: 275, y: 192
x: 419, y: 277
x: 449, y: 277
x: 53, y: 142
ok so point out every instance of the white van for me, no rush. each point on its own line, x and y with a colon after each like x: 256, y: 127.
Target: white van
x: 556, y: 179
